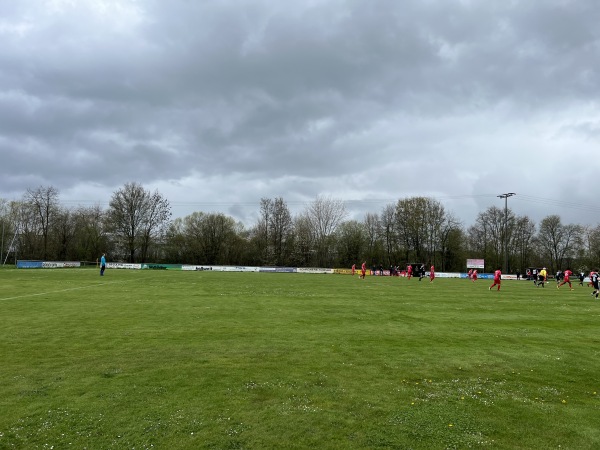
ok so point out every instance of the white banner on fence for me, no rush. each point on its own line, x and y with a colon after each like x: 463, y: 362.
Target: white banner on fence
x: 475, y: 264
x: 313, y: 270
x: 60, y: 264
x: 220, y: 268
x: 192, y: 267
x: 114, y: 265
x: 446, y: 274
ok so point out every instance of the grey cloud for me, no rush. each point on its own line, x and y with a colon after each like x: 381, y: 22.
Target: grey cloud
x: 267, y: 98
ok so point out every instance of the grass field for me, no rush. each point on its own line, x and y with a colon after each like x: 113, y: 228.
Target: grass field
x: 168, y: 360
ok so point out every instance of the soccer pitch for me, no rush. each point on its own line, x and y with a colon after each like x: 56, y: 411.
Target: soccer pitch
x: 171, y: 359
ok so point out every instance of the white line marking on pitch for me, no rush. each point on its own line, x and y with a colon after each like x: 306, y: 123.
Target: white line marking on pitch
x: 62, y: 290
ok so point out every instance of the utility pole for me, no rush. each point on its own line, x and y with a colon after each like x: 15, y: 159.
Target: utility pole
x: 505, y: 197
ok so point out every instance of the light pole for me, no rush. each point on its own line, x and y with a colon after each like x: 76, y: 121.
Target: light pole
x: 505, y: 197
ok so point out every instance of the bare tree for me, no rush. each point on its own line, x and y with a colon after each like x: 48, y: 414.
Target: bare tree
x: 388, y: 230
x: 325, y: 214
x: 43, y: 203
x: 135, y: 216
x: 521, y: 244
x: 592, y: 243
x: 304, y: 244
x: 559, y: 242
x: 374, y: 233
x: 485, y: 236
x: 262, y: 230
x: 63, y: 233
x: 91, y: 233
x: 280, y: 230
x: 157, y: 216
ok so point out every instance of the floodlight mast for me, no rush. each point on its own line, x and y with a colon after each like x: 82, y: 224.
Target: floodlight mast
x: 505, y: 197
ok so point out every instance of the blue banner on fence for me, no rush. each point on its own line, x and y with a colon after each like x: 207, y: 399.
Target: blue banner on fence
x: 30, y: 264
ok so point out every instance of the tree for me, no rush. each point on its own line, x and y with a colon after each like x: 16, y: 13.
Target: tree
x: 273, y: 233
x: 63, y: 233
x: 592, y: 241
x: 485, y: 236
x: 304, y: 243
x: 373, y: 244
x: 350, y: 243
x: 281, y: 231
x: 559, y: 242
x: 521, y: 244
x: 136, y: 216
x: 91, y: 237
x: 176, y: 248
x: 156, y: 218
x: 262, y: 231
x: 5, y: 223
x: 420, y: 222
x: 388, y: 231
x: 43, y: 203
x: 451, y: 239
x: 325, y: 214
x: 209, y: 237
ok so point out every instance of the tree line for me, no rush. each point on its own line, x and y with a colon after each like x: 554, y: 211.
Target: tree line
x: 138, y: 226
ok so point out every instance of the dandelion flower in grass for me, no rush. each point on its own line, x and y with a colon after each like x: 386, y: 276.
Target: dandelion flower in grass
x: 564, y: 401
x: 450, y: 425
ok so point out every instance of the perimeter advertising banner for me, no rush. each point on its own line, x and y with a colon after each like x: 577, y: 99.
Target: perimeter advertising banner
x: 60, y: 264
x: 47, y: 264
x: 475, y: 264
x: 278, y: 269
x: 313, y: 270
x: 162, y: 266
x: 113, y: 265
x: 201, y: 268
x: 29, y: 264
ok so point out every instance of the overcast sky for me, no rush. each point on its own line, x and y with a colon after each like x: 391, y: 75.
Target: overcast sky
x: 217, y: 104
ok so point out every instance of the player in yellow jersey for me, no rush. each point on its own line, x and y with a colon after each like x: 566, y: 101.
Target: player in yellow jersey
x: 542, y: 276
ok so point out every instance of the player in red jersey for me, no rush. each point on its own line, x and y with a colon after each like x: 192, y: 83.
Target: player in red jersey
x: 409, y: 271
x: 353, y: 269
x: 470, y: 273
x: 474, y: 275
x: 497, y: 279
x: 363, y: 270
x: 431, y: 274
x: 566, y: 274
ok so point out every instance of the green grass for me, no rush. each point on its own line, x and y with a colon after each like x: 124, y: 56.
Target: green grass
x: 166, y: 359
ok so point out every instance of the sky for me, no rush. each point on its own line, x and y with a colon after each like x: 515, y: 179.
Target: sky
x: 217, y: 104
